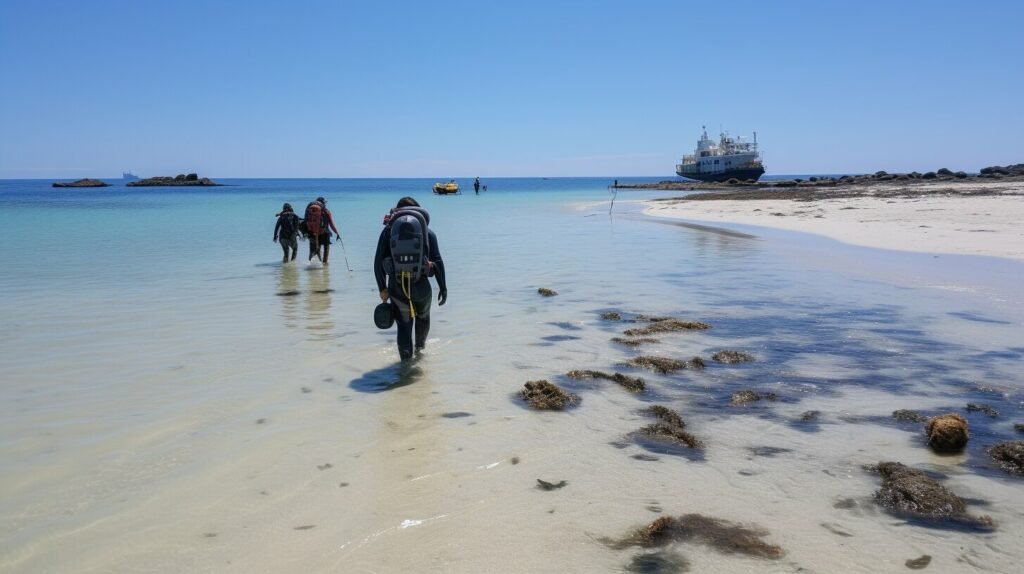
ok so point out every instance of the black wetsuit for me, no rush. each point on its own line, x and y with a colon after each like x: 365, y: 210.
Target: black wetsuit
x: 422, y: 294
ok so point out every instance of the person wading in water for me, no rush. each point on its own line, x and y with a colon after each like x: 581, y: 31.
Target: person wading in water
x: 407, y: 255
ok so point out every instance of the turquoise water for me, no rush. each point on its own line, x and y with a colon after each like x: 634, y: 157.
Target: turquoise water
x: 165, y: 407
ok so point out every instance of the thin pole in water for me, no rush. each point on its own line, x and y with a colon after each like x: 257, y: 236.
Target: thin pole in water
x: 344, y: 252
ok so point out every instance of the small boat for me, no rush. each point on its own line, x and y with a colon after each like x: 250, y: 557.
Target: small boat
x: 128, y: 176
x: 450, y: 188
x: 731, y: 158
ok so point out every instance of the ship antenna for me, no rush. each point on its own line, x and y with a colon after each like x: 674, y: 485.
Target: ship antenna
x: 755, y: 137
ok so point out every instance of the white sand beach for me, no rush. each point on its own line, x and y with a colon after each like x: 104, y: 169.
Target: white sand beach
x: 956, y: 224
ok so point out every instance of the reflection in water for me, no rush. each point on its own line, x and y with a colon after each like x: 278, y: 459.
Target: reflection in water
x: 288, y: 283
x: 318, y: 304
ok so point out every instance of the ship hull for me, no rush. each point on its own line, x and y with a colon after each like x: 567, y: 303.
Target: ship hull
x: 753, y: 173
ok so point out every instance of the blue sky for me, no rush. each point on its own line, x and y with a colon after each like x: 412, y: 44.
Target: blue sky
x: 459, y: 89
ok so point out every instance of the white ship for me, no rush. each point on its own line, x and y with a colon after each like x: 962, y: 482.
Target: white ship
x: 730, y: 158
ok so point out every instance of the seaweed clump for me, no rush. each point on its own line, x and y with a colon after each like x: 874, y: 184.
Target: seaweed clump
x: 908, y: 416
x: 548, y: 486
x: 547, y: 292
x: 732, y: 357
x: 1009, y: 455
x: 747, y: 396
x: 666, y: 325
x: 611, y: 316
x: 665, y: 365
x: 911, y: 492
x: 919, y: 563
x: 670, y: 429
x: 633, y: 384
x: 1019, y: 427
x: 634, y: 342
x: 666, y: 414
x: 947, y: 432
x: 722, y: 535
x: 987, y: 409
x: 543, y: 395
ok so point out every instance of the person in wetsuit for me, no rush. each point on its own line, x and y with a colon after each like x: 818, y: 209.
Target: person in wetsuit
x: 323, y: 243
x: 287, y: 232
x: 420, y: 291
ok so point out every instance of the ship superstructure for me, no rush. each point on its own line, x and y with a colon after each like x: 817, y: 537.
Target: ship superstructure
x: 731, y: 157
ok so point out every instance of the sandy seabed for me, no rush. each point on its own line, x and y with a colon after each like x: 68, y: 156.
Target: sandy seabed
x: 937, y: 222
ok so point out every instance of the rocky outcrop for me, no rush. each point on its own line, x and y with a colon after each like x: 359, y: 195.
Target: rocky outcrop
x: 178, y: 180
x: 912, y: 178
x: 1016, y: 169
x: 81, y: 183
x: 1009, y: 455
x: 947, y: 433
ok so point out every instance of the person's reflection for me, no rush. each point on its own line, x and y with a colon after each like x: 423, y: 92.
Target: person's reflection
x: 318, y: 304
x: 288, y: 291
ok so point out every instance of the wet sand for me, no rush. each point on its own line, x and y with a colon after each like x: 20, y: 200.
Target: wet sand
x: 966, y: 217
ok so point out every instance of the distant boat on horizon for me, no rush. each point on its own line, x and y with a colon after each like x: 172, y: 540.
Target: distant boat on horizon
x: 731, y: 158
x: 128, y: 176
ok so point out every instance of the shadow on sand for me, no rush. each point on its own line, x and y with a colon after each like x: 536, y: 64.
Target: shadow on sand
x: 388, y: 378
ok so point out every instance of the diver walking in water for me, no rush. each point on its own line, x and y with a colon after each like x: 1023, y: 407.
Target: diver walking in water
x: 476, y: 185
x: 407, y: 255
x: 287, y: 232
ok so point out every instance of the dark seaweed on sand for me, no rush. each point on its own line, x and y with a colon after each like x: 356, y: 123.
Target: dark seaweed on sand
x: 547, y: 292
x: 670, y: 429
x: 911, y: 493
x: 732, y: 357
x: 611, y: 316
x: 634, y: 384
x: 1009, y: 455
x: 979, y: 408
x: 543, y: 395
x: 665, y: 365
x: 545, y: 485
x: 665, y: 414
x: 635, y: 341
x: 722, y: 535
x: 666, y: 325
x: 671, y: 433
x: 907, y: 415
x: 1019, y: 427
x: 747, y: 396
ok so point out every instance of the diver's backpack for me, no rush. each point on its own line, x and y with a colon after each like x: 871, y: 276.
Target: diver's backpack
x: 410, y: 244
x: 289, y: 225
x: 314, y: 218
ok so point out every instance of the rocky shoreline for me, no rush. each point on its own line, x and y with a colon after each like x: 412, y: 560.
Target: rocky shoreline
x: 881, y: 184
x: 82, y: 183
x: 178, y: 180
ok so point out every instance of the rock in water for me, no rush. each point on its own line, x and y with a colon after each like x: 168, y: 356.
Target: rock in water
x: 1009, y: 455
x: 947, y: 432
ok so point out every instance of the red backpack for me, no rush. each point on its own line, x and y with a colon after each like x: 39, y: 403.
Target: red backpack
x: 314, y: 218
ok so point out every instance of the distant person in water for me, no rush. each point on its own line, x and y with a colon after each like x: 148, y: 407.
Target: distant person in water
x: 287, y: 232
x: 407, y: 255
x: 321, y: 248
x: 476, y: 185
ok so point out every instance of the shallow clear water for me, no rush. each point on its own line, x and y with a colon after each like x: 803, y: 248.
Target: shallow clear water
x: 165, y: 407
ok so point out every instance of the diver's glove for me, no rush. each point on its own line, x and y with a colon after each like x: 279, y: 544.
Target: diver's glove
x: 442, y: 297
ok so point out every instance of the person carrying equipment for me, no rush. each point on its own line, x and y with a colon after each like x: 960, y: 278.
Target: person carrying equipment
x: 407, y: 254
x: 319, y: 224
x: 287, y: 232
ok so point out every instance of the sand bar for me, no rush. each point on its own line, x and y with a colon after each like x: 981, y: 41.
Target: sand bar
x: 967, y: 218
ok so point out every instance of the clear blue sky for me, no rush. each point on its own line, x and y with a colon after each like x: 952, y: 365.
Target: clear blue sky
x: 459, y: 89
